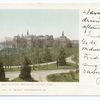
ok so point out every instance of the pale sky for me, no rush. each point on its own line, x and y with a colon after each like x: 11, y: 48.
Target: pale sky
x: 39, y: 22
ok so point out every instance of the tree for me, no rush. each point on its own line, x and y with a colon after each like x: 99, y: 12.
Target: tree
x: 37, y: 55
x: 61, y: 58
x: 26, y: 70
x: 47, y: 55
x: 2, y: 72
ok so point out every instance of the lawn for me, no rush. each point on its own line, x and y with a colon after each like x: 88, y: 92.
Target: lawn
x: 46, y: 67
x: 17, y: 80
x: 64, y: 77
x: 21, y: 80
x: 54, y: 67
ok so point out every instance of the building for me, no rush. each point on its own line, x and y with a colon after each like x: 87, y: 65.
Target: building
x: 62, y: 41
x: 19, y: 42
x: 41, y: 41
x: 75, y: 43
x: 30, y: 41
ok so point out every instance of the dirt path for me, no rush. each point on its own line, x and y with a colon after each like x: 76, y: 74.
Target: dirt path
x: 39, y: 75
x: 69, y: 59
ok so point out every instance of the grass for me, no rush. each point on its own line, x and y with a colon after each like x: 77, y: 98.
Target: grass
x: 47, y: 67
x: 71, y: 65
x: 21, y: 80
x: 54, y: 67
x: 17, y: 80
x: 64, y: 77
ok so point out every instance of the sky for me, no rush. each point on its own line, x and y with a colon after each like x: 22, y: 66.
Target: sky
x: 39, y: 22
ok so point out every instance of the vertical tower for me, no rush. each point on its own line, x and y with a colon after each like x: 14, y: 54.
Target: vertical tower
x: 27, y: 32
x: 62, y: 33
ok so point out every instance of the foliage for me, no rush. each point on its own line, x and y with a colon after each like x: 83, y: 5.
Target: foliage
x: 61, y: 58
x: 47, y: 55
x: 14, y: 56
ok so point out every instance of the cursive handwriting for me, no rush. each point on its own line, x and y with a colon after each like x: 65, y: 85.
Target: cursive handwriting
x: 90, y: 56
x: 91, y: 12
x: 91, y: 27
x: 88, y: 71
x: 89, y: 65
x: 91, y: 20
x: 84, y: 41
x: 90, y: 49
x: 90, y: 43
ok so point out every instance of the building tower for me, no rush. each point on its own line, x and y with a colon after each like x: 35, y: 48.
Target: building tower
x: 27, y: 32
x: 62, y: 33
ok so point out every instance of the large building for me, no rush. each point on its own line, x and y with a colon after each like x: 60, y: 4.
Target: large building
x: 31, y: 41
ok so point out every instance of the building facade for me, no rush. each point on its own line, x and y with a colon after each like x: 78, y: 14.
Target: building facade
x: 31, y: 41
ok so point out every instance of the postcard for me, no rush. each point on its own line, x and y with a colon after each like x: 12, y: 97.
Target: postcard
x: 50, y: 49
